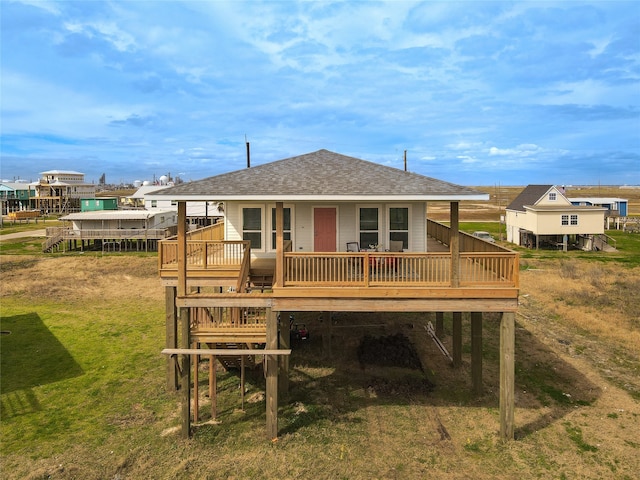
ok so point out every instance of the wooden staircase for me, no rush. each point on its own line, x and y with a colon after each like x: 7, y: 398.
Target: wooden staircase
x: 234, y: 362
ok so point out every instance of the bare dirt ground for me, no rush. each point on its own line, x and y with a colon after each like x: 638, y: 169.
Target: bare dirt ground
x: 577, y: 388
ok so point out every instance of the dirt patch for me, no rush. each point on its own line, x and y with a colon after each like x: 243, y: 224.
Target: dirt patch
x: 389, y: 351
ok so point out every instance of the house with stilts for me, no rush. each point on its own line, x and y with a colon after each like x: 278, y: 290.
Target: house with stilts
x: 324, y: 232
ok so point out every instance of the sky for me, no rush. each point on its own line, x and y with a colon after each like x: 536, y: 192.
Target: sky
x: 476, y: 93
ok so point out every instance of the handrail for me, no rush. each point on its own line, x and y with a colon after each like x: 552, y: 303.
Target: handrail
x: 369, y: 269
x: 244, y: 270
x: 203, y: 254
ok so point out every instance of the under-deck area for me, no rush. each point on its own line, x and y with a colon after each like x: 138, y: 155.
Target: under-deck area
x: 223, y: 303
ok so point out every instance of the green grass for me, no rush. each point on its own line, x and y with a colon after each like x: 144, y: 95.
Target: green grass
x: 71, y: 371
x: 24, y: 226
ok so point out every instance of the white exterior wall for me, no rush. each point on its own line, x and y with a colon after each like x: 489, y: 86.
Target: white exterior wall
x: 347, y: 224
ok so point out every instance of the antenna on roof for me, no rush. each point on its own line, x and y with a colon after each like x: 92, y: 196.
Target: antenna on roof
x: 248, y: 152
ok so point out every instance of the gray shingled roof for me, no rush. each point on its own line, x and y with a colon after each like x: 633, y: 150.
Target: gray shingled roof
x: 529, y: 196
x: 322, y: 174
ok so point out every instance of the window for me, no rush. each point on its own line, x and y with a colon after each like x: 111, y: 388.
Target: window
x: 565, y: 219
x: 252, y: 226
x: 368, y: 227
x: 287, y: 225
x: 552, y: 196
x: 399, y: 225
x: 154, y: 203
x: 574, y: 219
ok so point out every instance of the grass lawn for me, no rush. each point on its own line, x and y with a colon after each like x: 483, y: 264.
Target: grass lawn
x: 83, y: 390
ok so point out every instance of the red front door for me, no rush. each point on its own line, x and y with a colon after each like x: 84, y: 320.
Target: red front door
x: 324, y: 229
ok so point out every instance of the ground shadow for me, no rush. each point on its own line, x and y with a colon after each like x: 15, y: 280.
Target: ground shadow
x: 335, y: 388
x: 544, y: 383
x: 30, y: 356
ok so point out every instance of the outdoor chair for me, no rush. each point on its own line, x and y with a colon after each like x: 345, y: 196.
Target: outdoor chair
x: 355, y: 263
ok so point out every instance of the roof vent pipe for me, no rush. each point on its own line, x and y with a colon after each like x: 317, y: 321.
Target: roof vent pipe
x: 405, y: 160
x: 248, y: 156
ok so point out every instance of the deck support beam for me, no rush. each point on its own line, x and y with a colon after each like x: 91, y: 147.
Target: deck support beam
x: 272, y: 375
x: 476, y: 352
x: 285, y: 344
x: 439, y: 324
x: 507, y: 375
x: 457, y: 339
x: 171, y: 324
x: 185, y: 373
x: 327, y: 333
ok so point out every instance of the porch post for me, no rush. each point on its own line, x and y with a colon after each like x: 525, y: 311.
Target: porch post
x: 185, y: 333
x: 182, y: 249
x: 272, y: 375
x: 476, y: 352
x: 507, y: 374
x: 279, y: 244
x: 454, y: 245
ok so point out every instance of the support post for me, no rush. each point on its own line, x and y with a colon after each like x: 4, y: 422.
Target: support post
x: 327, y: 332
x: 185, y: 373
x: 454, y: 244
x: 476, y: 352
x: 439, y: 324
x: 213, y: 386
x: 507, y: 375
x: 182, y: 249
x: 457, y: 339
x: 171, y: 340
x: 196, y: 393
x: 285, y: 343
x: 272, y: 376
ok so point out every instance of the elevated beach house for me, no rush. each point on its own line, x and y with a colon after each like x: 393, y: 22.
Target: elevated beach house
x: 541, y: 216
x: 324, y: 232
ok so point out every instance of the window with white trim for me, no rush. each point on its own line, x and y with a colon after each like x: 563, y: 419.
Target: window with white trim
x: 369, y: 226
x: 286, y: 220
x: 574, y: 219
x: 399, y: 225
x: 552, y: 196
x: 252, y: 226
x: 565, y: 219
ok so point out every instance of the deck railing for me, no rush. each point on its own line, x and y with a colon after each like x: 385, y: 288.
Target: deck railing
x: 218, y: 318
x: 203, y: 254
x: 369, y: 269
x: 468, y: 243
x: 68, y: 233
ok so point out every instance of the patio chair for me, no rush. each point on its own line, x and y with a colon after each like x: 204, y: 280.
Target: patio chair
x: 355, y: 263
x: 353, y: 247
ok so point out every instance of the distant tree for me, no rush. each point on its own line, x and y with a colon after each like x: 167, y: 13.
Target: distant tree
x: 103, y: 179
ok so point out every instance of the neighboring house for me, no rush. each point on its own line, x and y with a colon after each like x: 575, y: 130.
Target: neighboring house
x: 290, y: 221
x: 617, y: 209
x: 60, y: 191
x: 16, y: 196
x: 112, y: 230
x: 199, y: 214
x: 543, y: 217
x: 99, y: 203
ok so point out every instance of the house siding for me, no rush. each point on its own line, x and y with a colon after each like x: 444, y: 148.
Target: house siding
x: 347, y: 224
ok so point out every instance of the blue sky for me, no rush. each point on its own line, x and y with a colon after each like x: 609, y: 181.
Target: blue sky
x: 478, y: 93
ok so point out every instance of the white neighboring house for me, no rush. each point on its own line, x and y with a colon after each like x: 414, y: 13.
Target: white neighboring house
x: 113, y: 230
x: 543, y: 217
x: 60, y: 191
x: 198, y: 213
